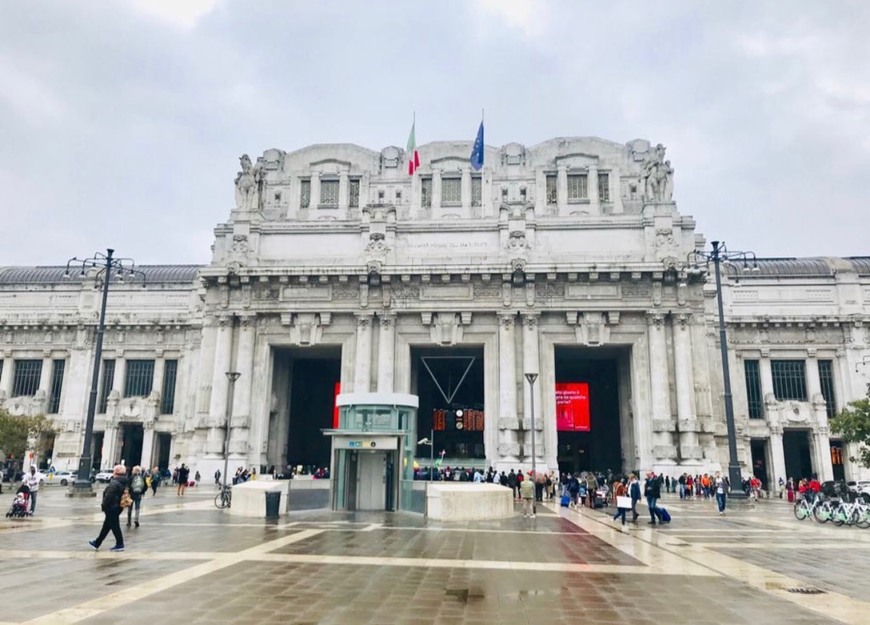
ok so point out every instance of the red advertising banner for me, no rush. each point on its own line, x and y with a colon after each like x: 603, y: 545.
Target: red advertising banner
x: 572, y: 407
x: 335, y: 420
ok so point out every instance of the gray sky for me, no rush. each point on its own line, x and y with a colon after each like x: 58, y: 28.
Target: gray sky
x: 121, y: 122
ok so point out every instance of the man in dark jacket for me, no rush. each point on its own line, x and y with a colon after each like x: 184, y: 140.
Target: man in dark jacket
x: 652, y: 490
x: 112, y: 509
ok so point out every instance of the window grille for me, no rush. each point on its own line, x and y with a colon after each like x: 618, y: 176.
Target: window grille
x: 305, y: 194
x: 552, y: 189
x: 106, y: 385
x: 476, y: 191
x: 57, y: 370
x: 25, y: 382
x: 139, y: 378
x: 353, y: 193
x: 754, y: 399
x: 603, y: 187
x: 426, y: 192
x: 451, y: 191
x: 789, y: 379
x: 577, y: 189
x: 170, y: 372
x: 329, y: 192
x: 826, y: 381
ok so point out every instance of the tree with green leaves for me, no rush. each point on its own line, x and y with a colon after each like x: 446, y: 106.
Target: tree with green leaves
x: 853, y: 424
x: 20, y: 433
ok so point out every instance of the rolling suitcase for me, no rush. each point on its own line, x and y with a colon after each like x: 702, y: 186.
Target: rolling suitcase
x: 663, y: 515
x: 565, y: 501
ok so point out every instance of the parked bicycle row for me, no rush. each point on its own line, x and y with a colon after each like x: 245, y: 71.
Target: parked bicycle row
x: 836, y: 505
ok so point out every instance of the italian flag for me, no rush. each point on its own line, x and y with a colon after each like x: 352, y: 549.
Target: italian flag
x: 411, y: 150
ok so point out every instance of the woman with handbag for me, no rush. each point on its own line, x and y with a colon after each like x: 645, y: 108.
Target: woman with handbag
x: 623, y: 503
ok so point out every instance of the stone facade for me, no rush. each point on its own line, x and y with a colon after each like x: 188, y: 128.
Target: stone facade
x: 572, y: 242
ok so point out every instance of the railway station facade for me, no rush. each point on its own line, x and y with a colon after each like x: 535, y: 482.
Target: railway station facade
x: 337, y: 272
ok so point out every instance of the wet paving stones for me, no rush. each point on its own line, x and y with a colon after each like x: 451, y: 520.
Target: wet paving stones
x: 190, y: 564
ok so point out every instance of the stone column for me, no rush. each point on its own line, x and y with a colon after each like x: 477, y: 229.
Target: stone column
x: 531, y: 364
x: 219, y: 386
x: 315, y: 190
x: 147, y: 445
x: 362, y: 378
x: 689, y: 447
x: 822, y: 442
x: 386, y: 351
x: 343, y: 192
x: 660, y: 398
x: 766, y: 374
x: 245, y: 366
x: 6, y: 376
x: 562, y: 190
x: 615, y: 190
x: 814, y: 384
x: 592, y: 190
x: 508, y: 443
x: 540, y: 192
x: 45, y: 375
x: 777, y: 456
x: 466, y: 189
x: 120, y: 380
x: 436, y: 190
x: 157, y: 381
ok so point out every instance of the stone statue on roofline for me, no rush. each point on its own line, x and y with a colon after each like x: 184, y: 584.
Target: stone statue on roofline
x: 247, y: 185
x: 658, y: 177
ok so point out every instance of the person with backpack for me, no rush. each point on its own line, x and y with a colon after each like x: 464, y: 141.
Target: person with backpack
x: 156, y: 478
x: 137, y: 490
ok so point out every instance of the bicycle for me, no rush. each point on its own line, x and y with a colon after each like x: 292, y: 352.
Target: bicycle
x: 224, y: 498
x: 803, y: 509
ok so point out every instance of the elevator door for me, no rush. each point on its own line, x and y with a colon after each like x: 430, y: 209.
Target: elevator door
x: 371, y: 481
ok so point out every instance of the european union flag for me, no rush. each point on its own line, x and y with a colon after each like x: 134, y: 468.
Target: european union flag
x: 477, y: 150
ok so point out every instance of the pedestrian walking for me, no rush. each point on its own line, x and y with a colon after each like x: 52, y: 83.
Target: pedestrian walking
x: 111, y: 506
x: 217, y: 477
x: 721, y: 492
x: 652, y: 490
x: 619, y: 492
x: 183, y: 476
x: 156, y: 478
x: 137, y: 491
x: 527, y: 493
x: 32, y: 482
x: 634, y: 493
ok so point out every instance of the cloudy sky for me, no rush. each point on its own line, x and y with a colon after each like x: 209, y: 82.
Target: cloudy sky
x: 121, y: 121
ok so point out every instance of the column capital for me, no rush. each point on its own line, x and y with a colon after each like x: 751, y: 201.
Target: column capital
x: 507, y: 320
x: 363, y: 320
x: 655, y: 319
x: 387, y: 319
x: 530, y: 319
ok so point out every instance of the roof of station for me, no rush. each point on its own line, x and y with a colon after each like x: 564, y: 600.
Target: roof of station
x: 154, y: 274
x: 800, y: 267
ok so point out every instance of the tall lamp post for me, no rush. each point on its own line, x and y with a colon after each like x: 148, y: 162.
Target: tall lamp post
x: 232, y: 376
x: 717, y: 256
x: 108, y: 268
x: 531, y: 377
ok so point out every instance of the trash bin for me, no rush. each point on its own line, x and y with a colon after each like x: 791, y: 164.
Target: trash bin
x: 273, y: 505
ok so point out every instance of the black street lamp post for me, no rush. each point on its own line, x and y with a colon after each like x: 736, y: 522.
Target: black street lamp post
x: 531, y: 377
x: 108, y: 267
x: 232, y: 376
x: 718, y: 255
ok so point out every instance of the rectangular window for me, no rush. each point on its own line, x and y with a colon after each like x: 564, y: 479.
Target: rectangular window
x: 577, y: 189
x: 25, y: 382
x: 353, y: 193
x: 476, y: 191
x: 451, y: 191
x: 106, y: 385
x: 826, y: 380
x: 603, y: 187
x: 305, y: 194
x: 329, y: 192
x: 57, y: 369
x: 789, y: 379
x: 170, y: 372
x: 139, y: 379
x: 754, y: 400
x: 552, y: 189
x: 426, y: 192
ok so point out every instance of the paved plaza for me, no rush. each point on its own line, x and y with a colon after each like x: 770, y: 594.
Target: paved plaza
x: 190, y: 563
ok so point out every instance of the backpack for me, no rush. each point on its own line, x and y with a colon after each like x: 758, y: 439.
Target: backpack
x: 138, y: 484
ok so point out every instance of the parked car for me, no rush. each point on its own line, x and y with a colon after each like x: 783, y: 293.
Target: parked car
x: 103, y: 477
x: 64, y: 478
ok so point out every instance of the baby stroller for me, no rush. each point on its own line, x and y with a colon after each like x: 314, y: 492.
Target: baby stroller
x: 20, y: 505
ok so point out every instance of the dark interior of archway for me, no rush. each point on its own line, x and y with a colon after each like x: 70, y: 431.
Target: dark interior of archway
x: 312, y: 400
x: 461, y: 438
x: 599, y: 449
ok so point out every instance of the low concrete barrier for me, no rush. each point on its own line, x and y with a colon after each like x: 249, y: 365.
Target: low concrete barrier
x: 468, y: 501
x: 249, y: 498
